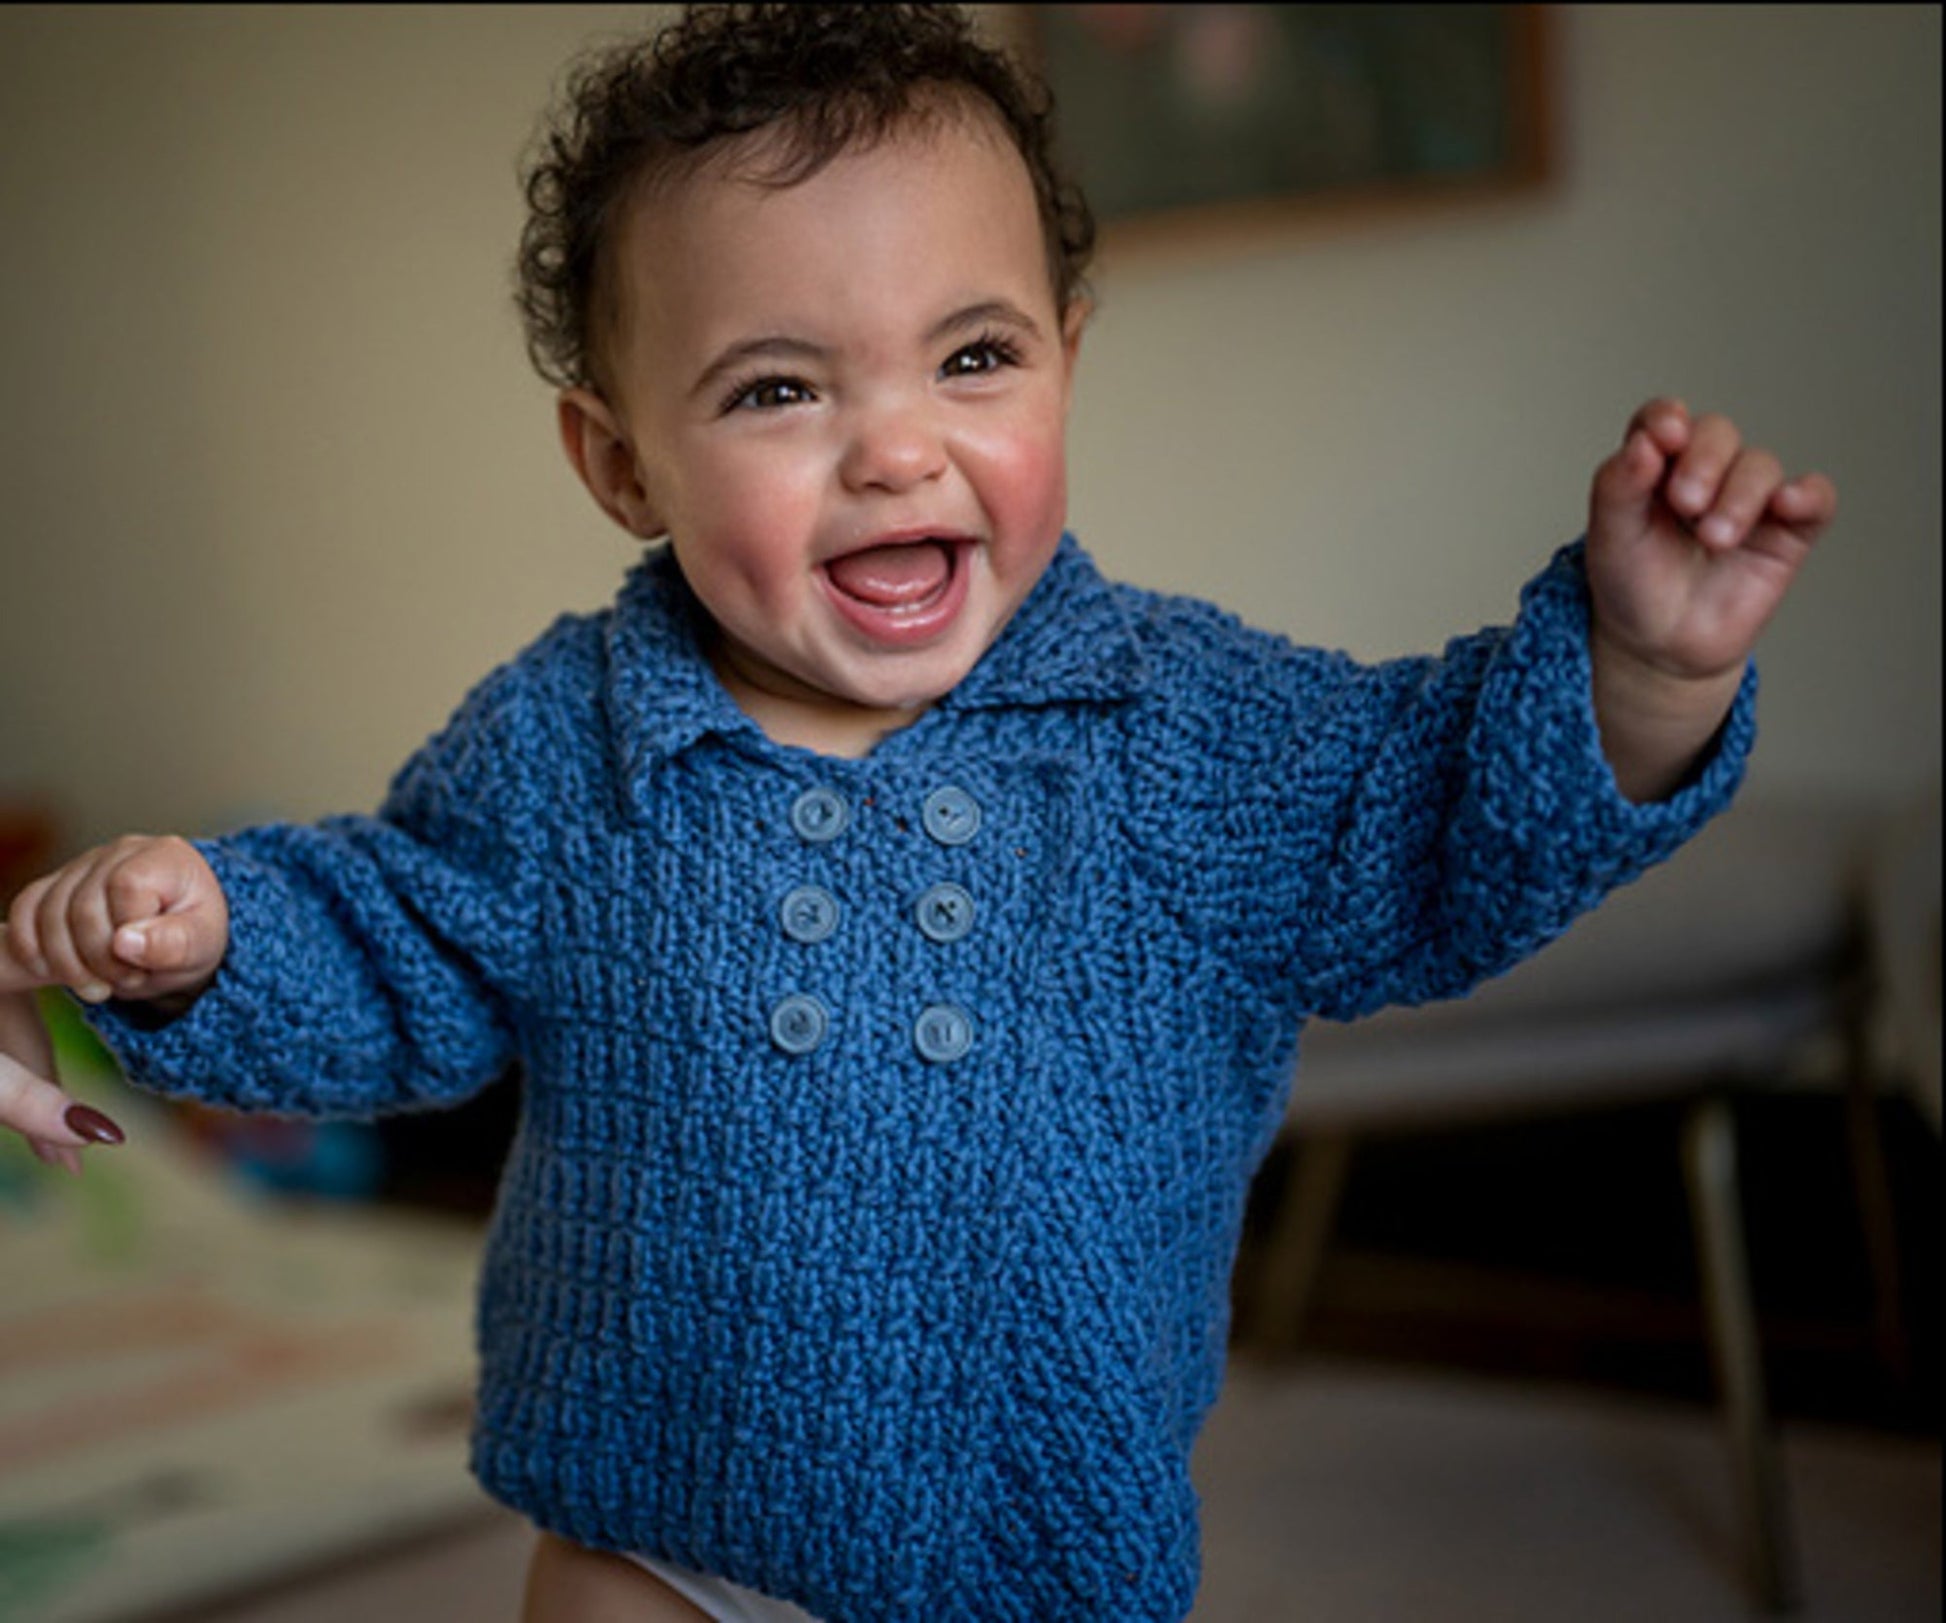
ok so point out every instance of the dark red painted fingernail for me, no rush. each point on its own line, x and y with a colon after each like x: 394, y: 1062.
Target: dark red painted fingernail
x: 93, y: 1125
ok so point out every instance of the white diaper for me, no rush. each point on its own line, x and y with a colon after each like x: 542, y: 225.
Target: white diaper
x: 721, y: 1599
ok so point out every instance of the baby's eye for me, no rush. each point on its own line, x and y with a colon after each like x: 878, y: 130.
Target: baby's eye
x: 767, y: 394
x: 987, y: 354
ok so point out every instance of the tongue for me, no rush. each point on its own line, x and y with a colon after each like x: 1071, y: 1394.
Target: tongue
x: 889, y: 576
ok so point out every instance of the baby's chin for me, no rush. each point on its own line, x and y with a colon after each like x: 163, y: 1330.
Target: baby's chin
x: 918, y: 678
x: 895, y: 688
x: 898, y: 693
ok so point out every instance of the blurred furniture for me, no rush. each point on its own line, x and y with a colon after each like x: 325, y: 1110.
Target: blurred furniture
x: 1903, y: 898
x: 27, y: 844
x: 1738, y: 964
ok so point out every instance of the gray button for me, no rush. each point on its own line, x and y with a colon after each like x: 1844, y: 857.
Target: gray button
x: 798, y: 1024
x: 809, y: 913
x: 943, y: 1033
x: 820, y: 815
x: 945, y: 912
x: 952, y: 816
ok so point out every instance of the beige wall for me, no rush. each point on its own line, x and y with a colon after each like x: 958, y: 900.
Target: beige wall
x: 280, y: 486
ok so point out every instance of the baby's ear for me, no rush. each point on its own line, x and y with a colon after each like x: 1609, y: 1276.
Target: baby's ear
x: 1074, y: 321
x: 600, y: 451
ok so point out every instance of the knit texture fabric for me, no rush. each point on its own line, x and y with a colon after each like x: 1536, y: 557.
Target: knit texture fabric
x: 883, y: 1152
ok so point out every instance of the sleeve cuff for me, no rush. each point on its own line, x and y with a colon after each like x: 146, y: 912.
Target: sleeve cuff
x: 1548, y: 780
x: 203, y: 1052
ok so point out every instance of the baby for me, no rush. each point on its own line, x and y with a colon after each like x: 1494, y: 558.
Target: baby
x: 903, y: 933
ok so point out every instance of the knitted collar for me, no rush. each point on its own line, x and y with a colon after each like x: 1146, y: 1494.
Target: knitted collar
x: 1069, y: 641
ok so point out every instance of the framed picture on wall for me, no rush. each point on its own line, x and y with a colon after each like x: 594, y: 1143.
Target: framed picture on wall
x: 1179, y: 117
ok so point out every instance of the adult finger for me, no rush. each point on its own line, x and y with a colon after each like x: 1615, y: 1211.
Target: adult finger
x: 56, y: 1155
x: 31, y: 1101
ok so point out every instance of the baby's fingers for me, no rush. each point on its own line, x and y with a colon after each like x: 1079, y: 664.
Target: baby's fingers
x: 20, y: 968
x: 172, y: 942
x: 173, y: 923
x: 1697, y: 479
x: 1807, y: 504
x: 73, y: 929
x: 57, y: 933
x: 1626, y: 482
x: 1752, y: 478
x: 91, y: 925
x: 141, y: 917
x: 1666, y: 422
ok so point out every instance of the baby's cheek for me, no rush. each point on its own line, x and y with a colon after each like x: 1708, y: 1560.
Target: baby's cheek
x: 762, y: 506
x: 759, y: 526
x: 1029, y: 491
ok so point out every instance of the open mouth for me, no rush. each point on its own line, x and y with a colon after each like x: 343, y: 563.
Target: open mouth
x: 900, y: 592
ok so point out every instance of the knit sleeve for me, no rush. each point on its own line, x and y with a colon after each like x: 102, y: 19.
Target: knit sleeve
x: 374, y: 961
x: 1408, y: 829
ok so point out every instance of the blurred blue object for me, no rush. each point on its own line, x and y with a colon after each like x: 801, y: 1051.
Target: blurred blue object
x: 336, y: 1159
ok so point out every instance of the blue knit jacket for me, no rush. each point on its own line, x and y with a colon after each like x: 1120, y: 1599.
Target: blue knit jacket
x: 887, y: 1123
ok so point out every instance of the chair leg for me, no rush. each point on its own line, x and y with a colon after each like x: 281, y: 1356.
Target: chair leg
x: 1287, y: 1280
x: 1872, y: 1186
x: 1710, y: 1168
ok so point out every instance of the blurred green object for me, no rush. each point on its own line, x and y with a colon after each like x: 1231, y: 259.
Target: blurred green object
x: 109, y: 1229
x: 38, y: 1558
x: 77, y: 1050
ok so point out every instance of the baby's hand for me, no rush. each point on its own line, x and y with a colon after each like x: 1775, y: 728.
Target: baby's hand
x: 1693, y: 539
x: 141, y: 918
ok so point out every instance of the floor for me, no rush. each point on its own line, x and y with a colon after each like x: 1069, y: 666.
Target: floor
x: 1358, y: 1494
x: 1355, y: 1495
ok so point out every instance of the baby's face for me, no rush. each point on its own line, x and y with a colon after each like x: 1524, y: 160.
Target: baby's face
x: 848, y: 400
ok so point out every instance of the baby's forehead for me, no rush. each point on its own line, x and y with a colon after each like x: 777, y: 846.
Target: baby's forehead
x: 698, y: 203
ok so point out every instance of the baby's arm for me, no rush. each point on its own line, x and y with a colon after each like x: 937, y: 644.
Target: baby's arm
x: 142, y: 918
x: 1693, y: 540
x: 349, y: 968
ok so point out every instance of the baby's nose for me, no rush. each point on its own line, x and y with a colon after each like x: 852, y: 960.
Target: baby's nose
x: 893, y: 449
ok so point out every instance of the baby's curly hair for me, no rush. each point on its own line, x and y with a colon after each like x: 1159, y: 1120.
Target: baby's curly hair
x: 827, y: 78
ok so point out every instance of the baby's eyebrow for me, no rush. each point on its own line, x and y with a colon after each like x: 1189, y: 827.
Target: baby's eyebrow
x: 985, y: 313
